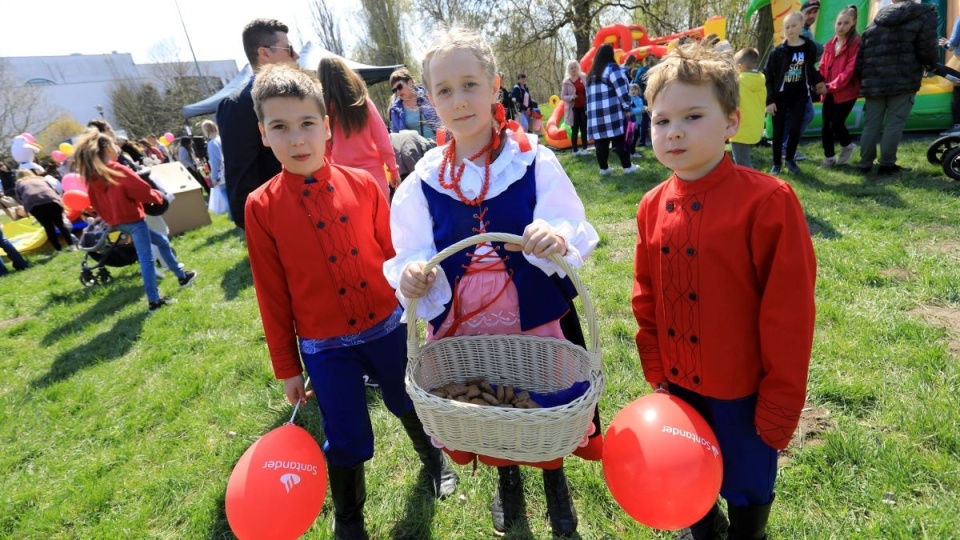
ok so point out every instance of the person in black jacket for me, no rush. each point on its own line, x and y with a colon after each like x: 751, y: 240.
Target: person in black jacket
x: 247, y: 163
x: 894, y: 52
x: 791, y: 79
x: 522, y: 100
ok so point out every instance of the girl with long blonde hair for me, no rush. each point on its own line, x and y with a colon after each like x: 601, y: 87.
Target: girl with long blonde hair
x: 118, y: 195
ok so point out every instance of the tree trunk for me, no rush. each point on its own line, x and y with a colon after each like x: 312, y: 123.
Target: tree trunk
x: 582, y: 20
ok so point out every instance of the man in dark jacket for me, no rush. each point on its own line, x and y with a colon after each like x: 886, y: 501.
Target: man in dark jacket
x: 521, y: 100
x: 894, y: 52
x: 247, y: 163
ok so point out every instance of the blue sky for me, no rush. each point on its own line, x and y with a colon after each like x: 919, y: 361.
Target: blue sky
x: 68, y: 26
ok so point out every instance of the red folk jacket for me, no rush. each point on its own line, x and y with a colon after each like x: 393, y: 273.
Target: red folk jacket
x: 317, y: 247
x: 724, y: 292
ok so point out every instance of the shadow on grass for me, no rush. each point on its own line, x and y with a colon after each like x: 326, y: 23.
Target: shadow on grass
x: 421, y: 506
x: 235, y: 232
x: 863, y: 187
x: 106, y: 306
x: 105, y: 347
x: 236, y: 279
x: 822, y: 228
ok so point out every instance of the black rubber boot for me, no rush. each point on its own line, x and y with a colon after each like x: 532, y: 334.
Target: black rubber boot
x: 749, y: 522
x: 563, y: 516
x: 436, y: 464
x: 712, y: 526
x: 507, y: 505
x: 349, y: 492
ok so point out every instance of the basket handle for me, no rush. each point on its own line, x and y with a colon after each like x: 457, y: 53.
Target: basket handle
x: 593, y: 336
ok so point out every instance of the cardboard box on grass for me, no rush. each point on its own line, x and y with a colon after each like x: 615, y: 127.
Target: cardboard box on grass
x: 188, y: 210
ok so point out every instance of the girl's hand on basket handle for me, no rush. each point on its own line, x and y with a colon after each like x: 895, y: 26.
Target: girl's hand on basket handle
x: 539, y: 240
x: 414, y: 282
x: 295, y: 390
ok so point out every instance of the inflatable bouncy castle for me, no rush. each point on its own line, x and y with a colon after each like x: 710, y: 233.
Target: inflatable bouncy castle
x: 931, y: 111
x: 626, y: 40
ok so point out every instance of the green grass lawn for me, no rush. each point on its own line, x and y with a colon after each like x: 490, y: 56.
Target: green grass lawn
x: 118, y: 425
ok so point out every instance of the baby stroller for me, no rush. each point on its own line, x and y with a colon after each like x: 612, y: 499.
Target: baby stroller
x: 945, y: 151
x: 104, y: 246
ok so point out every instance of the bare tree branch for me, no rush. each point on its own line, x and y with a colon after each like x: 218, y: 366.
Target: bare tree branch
x: 22, y: 107
x: 326, y: 26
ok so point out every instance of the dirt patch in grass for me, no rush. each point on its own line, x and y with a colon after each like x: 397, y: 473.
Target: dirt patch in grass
x: 14, y: 321
x: 944, y: 317
x: 896, y: 274
x: 944, y: 246
x: 815, y: 421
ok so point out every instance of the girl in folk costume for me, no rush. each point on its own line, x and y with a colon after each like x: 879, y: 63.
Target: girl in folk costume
x: 842, y: 87
x: 492, y: 177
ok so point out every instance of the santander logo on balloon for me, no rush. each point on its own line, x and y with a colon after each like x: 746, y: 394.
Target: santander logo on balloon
x: 292, y: 465
x: 289, y: 480
x: 675, y: 431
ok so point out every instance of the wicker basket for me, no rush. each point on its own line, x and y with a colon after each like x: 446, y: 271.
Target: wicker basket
x: 529, y: 362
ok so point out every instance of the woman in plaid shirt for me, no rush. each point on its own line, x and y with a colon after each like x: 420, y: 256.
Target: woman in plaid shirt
x: 608, y: 100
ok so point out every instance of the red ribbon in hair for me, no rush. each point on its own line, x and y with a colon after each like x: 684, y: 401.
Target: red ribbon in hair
x: 500, y: 117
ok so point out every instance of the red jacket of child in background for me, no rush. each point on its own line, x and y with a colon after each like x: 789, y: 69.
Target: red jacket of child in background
x: 122, y: 202
x: 837, y: 69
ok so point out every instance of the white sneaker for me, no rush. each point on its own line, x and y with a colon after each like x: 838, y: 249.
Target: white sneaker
x: 605, y: 172
x: 631, y: 169
x: 828, y: 163
x: 846, y: 153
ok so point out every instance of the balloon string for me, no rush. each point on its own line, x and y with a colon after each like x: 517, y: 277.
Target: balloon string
x: 297, y: 406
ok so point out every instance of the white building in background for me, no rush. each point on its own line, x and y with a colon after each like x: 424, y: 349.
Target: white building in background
x: 80, y: 84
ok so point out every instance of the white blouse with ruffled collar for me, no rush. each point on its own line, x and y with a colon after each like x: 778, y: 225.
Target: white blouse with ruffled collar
x: 411, y: 224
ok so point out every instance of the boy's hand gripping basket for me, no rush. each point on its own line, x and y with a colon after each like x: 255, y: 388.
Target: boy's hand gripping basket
x: 532, y: 363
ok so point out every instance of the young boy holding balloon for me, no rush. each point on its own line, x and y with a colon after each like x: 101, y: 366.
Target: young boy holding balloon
x: 724, y: 286
x: 318, y: 235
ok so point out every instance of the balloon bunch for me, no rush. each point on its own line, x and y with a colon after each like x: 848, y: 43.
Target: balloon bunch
x: 62, y: 152
x: 75, y: 195
x: 167, y: 139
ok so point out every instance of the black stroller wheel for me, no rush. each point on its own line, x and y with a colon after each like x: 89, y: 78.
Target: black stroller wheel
x: 951, y: 163
x: 104, y: 277
x: 87, y: 279
x: 939, y: 148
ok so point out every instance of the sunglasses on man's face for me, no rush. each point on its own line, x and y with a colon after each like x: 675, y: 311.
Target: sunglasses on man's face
x: 398, y: 88
x: 288, y: 48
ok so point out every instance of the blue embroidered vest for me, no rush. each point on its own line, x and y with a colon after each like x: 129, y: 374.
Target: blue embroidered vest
x: 542, y: 298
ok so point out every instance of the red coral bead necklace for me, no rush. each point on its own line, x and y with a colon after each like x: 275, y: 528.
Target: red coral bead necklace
x: 456, y: 173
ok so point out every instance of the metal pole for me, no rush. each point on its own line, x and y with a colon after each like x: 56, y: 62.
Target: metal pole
x: 203, y: 80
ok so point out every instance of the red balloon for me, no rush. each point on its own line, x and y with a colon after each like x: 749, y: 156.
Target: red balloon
x: 76, y: 199
x: 277, y: 488
x: 662, y: 462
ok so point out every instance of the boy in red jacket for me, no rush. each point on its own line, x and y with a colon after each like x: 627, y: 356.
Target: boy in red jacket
x: 318, y: 235
x: 724, y: 285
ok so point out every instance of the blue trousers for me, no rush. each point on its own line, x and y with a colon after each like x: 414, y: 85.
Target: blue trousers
x: 143, y: 238
x: 749, y: 465
x: 337, y: 379
x: 15, y: 257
